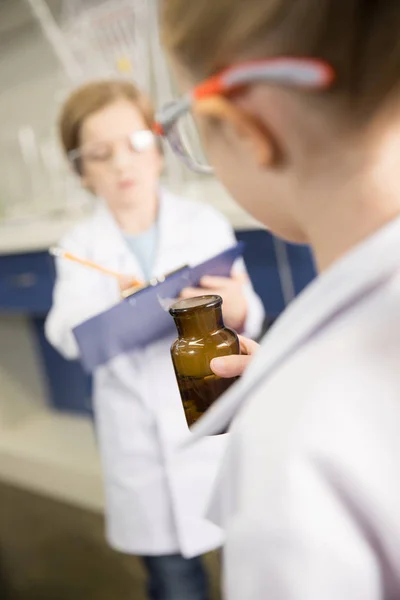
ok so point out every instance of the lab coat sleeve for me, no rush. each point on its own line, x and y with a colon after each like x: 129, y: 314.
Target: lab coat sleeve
x: 78, y: 295
x: 255, y: 309
x: 298, y: 540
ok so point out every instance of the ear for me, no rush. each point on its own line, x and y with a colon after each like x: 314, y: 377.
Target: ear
x: 251, y: 131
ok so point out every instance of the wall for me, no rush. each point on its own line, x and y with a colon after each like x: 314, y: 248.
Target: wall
x: 30, y: 85
x: 29, y: 70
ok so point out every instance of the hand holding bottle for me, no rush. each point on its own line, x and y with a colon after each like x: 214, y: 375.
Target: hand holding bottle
x: 231, y: 290
x: 235, y: 365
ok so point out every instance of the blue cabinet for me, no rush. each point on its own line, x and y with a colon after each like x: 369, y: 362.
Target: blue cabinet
x: 262, y: 261
x: 26, y: 283
x: 26, y: 287
x: 69, y: 388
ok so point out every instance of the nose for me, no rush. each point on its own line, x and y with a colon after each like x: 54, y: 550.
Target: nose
x: 122, y: 157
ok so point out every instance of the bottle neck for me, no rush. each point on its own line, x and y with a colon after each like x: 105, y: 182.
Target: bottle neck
x: 200, y: 323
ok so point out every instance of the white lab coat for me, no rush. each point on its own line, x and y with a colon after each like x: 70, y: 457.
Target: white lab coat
x: 155, y: 499
x: 309, y: 490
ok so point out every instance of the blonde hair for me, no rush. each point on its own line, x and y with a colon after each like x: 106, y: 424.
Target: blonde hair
x: 360, y: 38
x: 92, y: 97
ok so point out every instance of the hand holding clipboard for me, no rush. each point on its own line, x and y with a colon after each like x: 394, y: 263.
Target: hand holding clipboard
x: 142, y: 317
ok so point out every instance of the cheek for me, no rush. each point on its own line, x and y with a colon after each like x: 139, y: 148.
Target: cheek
x: 97, y: 181
x: 244, y: 188
x: 264, y: 198
x: 261, y: 192
x: 235, y: 171
x: 150, y: 163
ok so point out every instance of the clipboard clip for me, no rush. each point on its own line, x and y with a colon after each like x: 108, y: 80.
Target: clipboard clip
x: 151, y: 283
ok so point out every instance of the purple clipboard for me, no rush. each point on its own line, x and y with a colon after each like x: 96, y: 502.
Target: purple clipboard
x: 141, y: 319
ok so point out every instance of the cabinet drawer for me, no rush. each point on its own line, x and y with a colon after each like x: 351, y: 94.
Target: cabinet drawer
x: 263, y: 267
x: 26, y: 282
x: 69, y: 388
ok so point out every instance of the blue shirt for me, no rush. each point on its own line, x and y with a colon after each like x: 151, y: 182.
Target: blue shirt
x: 144, y: 247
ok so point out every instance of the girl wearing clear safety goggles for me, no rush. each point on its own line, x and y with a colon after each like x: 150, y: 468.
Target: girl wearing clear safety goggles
x: 142, y: 231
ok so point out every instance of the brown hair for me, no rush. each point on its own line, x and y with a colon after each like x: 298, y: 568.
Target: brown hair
x: 92, y: 97
x: 360, y: 38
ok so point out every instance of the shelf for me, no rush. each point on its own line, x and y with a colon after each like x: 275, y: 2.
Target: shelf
x: 32, y: 235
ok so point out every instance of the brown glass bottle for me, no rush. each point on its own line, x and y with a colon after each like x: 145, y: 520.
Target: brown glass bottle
x: 202, y: 337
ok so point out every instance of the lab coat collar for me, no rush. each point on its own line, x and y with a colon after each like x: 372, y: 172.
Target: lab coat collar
x: 113, y: 246
x: 358, y: 273
x: 169, y: 227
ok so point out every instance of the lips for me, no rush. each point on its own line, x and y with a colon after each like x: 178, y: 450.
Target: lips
x: 126, y: 184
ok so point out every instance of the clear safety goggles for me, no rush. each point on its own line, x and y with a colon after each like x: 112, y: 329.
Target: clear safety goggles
x: 176, y: 124
x: 103, y: 152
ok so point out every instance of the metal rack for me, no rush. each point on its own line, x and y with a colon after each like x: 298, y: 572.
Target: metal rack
x: 109, y: 38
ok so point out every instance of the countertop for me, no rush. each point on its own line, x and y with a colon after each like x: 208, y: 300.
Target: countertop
x: 38, y: 234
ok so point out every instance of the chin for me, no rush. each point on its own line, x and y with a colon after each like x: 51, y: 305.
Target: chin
x: 290, y: 234
x: 279, y: 226
x: 126, y: 199
x: 268, y: 209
